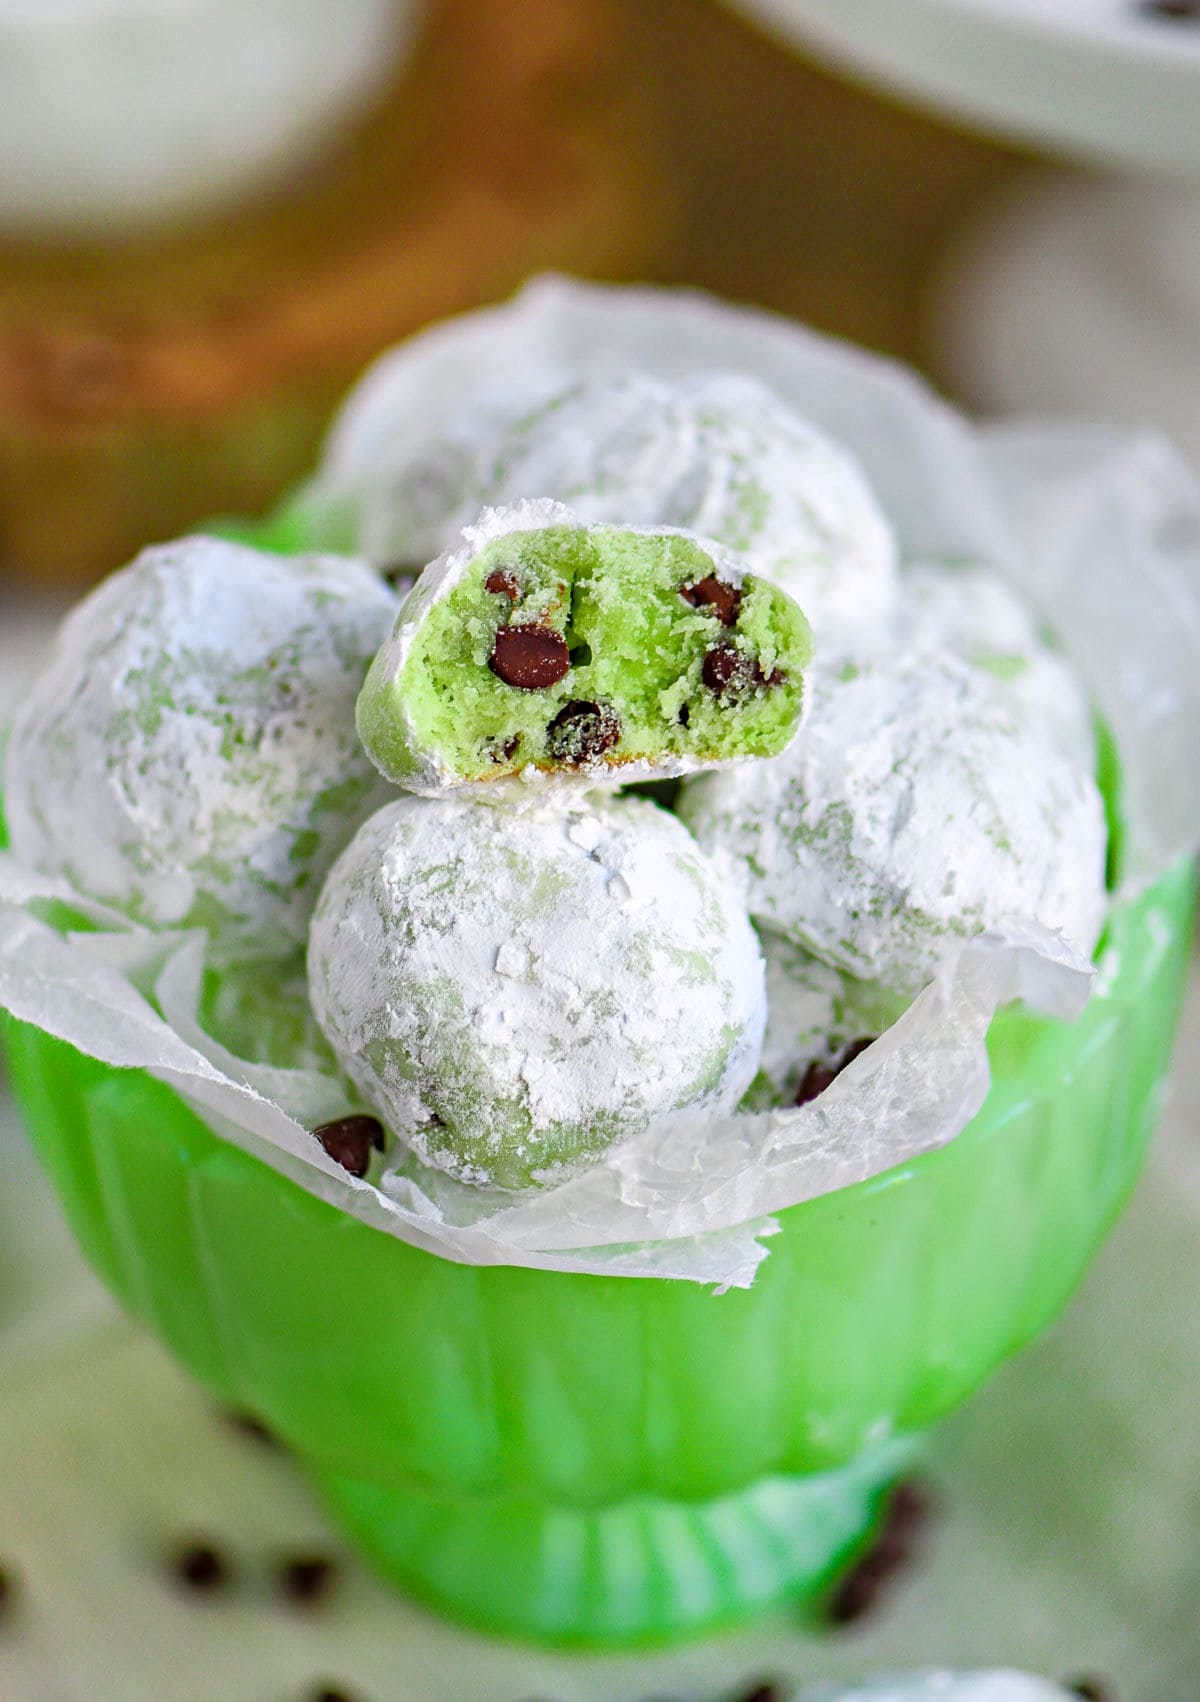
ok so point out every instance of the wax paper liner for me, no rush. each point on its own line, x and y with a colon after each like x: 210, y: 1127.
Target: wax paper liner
x: 1101, y: 529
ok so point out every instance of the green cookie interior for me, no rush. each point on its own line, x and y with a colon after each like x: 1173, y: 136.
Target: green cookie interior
x: 635, y: 689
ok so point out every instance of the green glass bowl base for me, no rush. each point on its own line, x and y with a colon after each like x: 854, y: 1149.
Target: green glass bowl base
x: 588, y: 1459
x: 644, y: 1571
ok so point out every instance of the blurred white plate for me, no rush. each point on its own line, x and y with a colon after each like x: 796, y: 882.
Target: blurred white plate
x: 1101, y: 79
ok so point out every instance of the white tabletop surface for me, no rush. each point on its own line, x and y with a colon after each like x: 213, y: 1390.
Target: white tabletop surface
x: 1069, y: 1540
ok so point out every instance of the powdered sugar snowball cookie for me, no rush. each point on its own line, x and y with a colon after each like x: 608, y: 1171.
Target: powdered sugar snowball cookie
x: 918, y: 807
x: 513, y: 991
x: 997, y: 1686
x: 717, y: 454
x: 188, y: 755
x: 816, y: 1016
x: 974, y: 613
x: 541, y: 648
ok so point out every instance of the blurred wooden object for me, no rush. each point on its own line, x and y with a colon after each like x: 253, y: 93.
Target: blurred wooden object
x: 797, y: 190
x: 146, y: 385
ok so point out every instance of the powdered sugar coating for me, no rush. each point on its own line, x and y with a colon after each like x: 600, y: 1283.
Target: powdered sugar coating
x: 513, y: 991
x: 717, y: 454
x: 944, y: 1687
x: 188, y: 755
x: 814, y: 1012
x: 974, y: 613
x: 918, y: 806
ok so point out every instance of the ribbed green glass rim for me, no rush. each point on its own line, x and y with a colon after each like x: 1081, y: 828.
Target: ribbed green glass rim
x: 878, y: 1309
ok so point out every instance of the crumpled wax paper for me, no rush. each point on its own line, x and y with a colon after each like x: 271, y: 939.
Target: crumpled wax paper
x: 1101, y: 529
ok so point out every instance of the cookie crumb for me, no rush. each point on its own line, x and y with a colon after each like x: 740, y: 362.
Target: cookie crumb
x: 1091, y: 1689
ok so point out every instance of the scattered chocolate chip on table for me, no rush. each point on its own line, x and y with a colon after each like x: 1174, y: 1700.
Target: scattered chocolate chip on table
x: 306, y: 1579
x: 200, y: 1566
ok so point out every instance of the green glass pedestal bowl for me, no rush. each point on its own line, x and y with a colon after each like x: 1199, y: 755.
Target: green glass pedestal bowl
x: 604, y: 1460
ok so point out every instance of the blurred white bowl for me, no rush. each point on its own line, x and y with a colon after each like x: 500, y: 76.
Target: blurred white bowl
x: 1106, y: 80
x: 120, y: 113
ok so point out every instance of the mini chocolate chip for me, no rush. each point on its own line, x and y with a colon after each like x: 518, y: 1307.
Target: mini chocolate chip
x: 905, y: 1515
x: 855, y: 1049
x: 858, y: 1591
x: 8, y: 1591
x: 1174, y: 11
x: 732, y: 675
x: 685, y: 714
x: 330, y: 1693
x: 582, y: 731
x: 723, y: 668
x: 503, y: 750
x: 348, y: 1141
x: 306, y: 1578
x: 502, y: 583
x: 725, y: 601
x: 817, y: 1077
x: 530, y: 657
x: 910, y: 1505
x: 253, y: 1429
x: 200, y: 1566
x: 765, y: 1692
x: 1091, y: 1689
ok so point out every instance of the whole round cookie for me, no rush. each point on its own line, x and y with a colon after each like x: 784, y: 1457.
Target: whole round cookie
x: 818, y: 1019
x: 972, y: 612
x: 541, y: 647
x: 717, y: 454
x: 188, y: 755
x: 996, y: 1686
x: 513, y: 991
x: 918, y: 807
